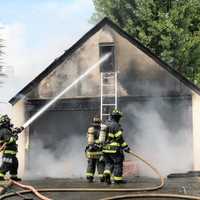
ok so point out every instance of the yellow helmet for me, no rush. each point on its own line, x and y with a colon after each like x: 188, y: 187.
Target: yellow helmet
x: 96, y: 120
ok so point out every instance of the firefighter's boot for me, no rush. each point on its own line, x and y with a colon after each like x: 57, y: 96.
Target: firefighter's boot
x: 107, y: 179
x: 15, y: 178
x: 90, y: 179
x: 102, y: 179
x: 120, y: 181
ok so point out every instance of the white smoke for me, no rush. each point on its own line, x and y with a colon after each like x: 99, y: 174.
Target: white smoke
x: 151, y: 138
x: 67, y: 160
x: 5, y: 108
x: 149, y: 135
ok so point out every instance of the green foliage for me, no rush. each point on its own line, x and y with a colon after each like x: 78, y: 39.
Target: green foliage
x: 169, y: 28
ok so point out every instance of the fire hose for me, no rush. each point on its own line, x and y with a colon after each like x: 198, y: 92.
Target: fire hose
x: 32, y: 189
x: 152, y: 195
x: 2, y: 147
x: 37, y: 192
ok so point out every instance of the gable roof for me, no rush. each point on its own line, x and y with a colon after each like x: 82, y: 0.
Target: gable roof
x: 85, y: 37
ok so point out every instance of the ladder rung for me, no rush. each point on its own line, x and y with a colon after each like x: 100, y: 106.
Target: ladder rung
x: 109, y: 72
x: 108, y: 104
x: 108, y: 77
x: 108, y: 85
x: 108, y: 95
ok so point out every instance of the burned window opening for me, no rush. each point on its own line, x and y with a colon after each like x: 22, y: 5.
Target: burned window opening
x: 109, y: 64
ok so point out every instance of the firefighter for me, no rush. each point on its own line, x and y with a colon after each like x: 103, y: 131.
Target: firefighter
x: 94, y: 152
x: 113, y: 146
x: 8, y: 138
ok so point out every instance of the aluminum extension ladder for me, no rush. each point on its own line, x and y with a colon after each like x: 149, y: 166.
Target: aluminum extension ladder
x: 108, y: 93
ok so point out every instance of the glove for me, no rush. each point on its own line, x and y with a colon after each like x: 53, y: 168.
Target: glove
x: 100, y: 147
x: 15, y: 136
x: 22, y: 128
x: 101, y: 159
x: 18, y: 130
x: 86, y: 148
x: 96, y: 147
x: 91, y: 147
x: 127, y: 149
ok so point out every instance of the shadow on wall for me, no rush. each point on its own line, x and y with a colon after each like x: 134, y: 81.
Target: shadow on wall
x: 159, y: 131
x: 67, y: 160
x: 71, y: 69
x: 150, y: 80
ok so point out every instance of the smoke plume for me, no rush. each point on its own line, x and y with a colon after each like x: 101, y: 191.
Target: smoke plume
x: 66, y: 160
x: 155, y: 133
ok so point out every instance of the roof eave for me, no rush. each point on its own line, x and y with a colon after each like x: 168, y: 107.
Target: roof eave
x: 57, y: 62
x: 75, y: 46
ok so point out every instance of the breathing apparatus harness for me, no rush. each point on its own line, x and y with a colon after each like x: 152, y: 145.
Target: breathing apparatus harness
x: 93, y: 149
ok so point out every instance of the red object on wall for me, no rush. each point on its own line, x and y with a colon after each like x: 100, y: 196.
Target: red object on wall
x: 130, y: 168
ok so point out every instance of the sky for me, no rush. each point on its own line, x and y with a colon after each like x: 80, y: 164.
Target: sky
x: 36, y: 32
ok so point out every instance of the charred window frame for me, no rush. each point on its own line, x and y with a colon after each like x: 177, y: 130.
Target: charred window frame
x: 109, y: 64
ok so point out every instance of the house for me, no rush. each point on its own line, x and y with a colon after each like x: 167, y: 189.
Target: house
x: 156, y: 100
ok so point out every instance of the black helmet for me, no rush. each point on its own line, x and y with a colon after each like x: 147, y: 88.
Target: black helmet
x: 116, y: 114
x: 4, y: 120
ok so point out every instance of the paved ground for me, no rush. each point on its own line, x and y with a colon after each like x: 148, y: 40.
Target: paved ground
x: 187, y: 186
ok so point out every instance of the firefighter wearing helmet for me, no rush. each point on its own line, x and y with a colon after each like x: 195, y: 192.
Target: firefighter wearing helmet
x: 113, y: 147
x: 93, y: 151
x: 8, y: 139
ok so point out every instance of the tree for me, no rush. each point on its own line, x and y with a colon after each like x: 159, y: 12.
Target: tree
x: 169, y: 28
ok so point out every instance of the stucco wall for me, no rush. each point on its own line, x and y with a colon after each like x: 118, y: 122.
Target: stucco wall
x: 196, y: 130
x: 18, y: 119
x: 138, y: 74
